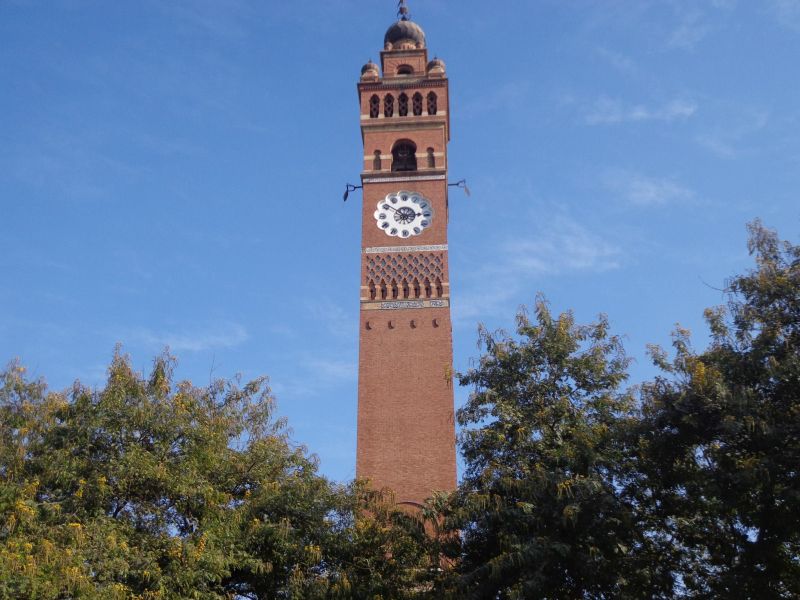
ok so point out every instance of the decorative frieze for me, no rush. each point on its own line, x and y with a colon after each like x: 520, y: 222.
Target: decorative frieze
x: 406, y: 178
x: 391, y: 249
x: 405, y: 304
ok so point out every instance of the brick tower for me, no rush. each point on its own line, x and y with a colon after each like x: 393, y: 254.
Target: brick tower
x: 406, y: 430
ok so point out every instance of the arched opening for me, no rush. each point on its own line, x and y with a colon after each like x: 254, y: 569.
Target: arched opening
x: 427, y: 284
x: 384, y: 292
x: 432, y: 104
x: 416, y: 104
x: 405, y: 70
x: 431, y: 159
x: 376, y: 161
x: 395, y: 291
x: 404, y: 156
x: 388, y: 106
x: 406, y: 290
x: 374, y: 107
x: 439, y: 289
x: 372, y: 291
x: 402, y: 105
x: 417, y: 290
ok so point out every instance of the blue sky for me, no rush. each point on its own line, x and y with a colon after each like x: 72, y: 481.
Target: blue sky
x: 171, y: 174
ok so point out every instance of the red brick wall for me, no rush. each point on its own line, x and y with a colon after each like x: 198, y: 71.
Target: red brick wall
x: 406, y: 429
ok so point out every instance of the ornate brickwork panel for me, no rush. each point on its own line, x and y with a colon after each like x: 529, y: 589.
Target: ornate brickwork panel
x: 399, y: 267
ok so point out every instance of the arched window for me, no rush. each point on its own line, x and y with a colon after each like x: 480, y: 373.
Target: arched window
x: 406, y: 290
x: 402, y: 105
x: 439, y: 289
x: 395, y: 291
x: 372, y: 291
x: 404, y: 156
x: 431, y: 103
x: 428, y: 292
x: 384, y: 292
x: 405, y: 70
x: 431, y: 159
x: 416, y: 104
x: 417, y: 291
x: 376, y: 162
x: 388, y: 106
x: 374, y: 107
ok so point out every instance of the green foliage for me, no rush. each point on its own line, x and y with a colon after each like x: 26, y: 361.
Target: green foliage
x: 149, y: 489
x: 539, y: 507
x: 720, y: 439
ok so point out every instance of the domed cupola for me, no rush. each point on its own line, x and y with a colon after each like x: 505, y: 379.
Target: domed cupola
x: 370, y: 72
x: 436, y: 68
x: 405, y: 34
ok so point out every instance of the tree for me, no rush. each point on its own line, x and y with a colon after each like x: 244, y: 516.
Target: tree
x: 720, y: 438
x: 385, y: 552
x: 540, y: 507
x: 150, y: 489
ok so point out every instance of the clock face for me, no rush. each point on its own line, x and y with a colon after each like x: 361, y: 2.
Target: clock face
x: 404, y: 214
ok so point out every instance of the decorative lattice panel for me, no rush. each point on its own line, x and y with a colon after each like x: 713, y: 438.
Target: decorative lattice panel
x: 399, y: 267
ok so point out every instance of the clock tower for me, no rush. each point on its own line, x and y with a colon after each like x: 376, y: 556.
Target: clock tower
x: 406, y: 429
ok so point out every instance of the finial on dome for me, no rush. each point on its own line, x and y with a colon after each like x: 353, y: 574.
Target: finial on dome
x: 402, y: 11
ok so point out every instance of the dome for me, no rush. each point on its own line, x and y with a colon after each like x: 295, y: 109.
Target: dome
x: 370, y: 66
x: 404, y: 35
x: 437, y: 63
x: 370, y: 71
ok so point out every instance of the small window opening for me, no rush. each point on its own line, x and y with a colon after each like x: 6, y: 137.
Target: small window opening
x: 374, y: 107
x: 404, y: 156
x: 376, y: 161
x: 431, y: 159
x: 402, y: 105
x: 388, y: 106
x: 405, y: 70
x: 432, y: 104
x: 416, y: 104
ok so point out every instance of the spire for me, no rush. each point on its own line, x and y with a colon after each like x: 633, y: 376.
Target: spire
x: 402, y: 11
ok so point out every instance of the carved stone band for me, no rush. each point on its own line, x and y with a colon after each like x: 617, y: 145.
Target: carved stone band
x: 386, y: 249
x: 399, y: 179
x: 405, y: 304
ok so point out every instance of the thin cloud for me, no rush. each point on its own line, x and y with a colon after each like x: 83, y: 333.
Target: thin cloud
x: 225, y: 335
x: 728, y: 141
x: 640, y: 190
x: 561, y: 247
x: 564, y: 246
x: 690, y: 32
x: 609, y: 111
x: 337, y: 320
x: 619, y: 61
x: 333, y: 370
x: 787, y: 13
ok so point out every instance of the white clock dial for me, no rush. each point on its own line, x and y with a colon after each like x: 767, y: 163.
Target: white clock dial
x: 404, y: 214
